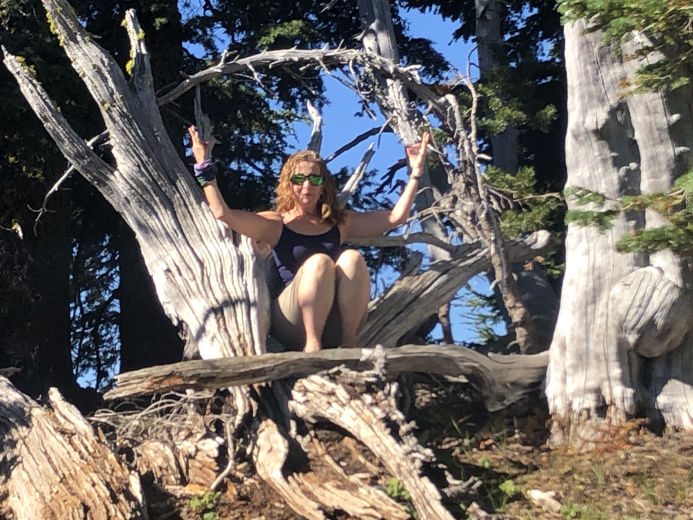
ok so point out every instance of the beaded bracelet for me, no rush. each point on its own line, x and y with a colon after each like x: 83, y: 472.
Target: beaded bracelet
x: 205, y: 172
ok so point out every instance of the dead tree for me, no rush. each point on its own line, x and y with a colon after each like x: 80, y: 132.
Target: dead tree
x: 467, y: 204
x: 207, y: 277
x: 54, y: 466
x: 623, y: 341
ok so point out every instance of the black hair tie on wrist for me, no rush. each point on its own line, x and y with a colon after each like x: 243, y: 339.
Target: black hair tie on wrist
x: 205, y: 172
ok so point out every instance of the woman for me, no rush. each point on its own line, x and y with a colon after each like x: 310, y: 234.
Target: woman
x: 326, y: 288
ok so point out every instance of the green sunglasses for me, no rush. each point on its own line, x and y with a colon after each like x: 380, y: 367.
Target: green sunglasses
x: 314, y: 179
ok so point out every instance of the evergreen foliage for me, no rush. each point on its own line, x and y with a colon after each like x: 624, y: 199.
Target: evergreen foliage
x: 532, y: 211
x: 526, y: 88
x: 674, y: 206
x: 666, y: 23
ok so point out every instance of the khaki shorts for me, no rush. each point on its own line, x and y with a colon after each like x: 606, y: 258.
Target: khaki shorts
x: 287, y: 321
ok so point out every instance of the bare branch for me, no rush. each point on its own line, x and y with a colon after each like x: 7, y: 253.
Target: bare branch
x: 316, y: 132
x: 401, y: 241
x: 92, y: 143
x: 71, y: 144
x: 355, y: 178
x: 359, y: 138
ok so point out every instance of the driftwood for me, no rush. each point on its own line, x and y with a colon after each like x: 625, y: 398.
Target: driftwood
x: 53, y: 466
x: 500, y: 379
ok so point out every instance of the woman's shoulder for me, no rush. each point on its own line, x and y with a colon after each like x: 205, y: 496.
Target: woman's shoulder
x: 271, y: 215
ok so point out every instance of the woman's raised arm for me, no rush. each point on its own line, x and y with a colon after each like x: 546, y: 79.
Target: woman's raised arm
x: 374, y: 223
x: 265, y: 227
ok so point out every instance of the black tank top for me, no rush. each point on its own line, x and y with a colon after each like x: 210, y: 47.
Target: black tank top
x: 293, y: 249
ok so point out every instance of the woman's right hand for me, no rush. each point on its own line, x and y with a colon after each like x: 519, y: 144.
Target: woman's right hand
x: 200, y: 148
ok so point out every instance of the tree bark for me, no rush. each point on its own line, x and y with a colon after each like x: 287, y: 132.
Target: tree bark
x: 500, y: 379
x: 205, y: 277
x: 622, y: 341
x: 376, y: 422
x: 54, y: 467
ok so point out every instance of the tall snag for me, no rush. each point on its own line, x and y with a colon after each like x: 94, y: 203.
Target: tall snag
x: 623, y: 341
x: 466, y: 204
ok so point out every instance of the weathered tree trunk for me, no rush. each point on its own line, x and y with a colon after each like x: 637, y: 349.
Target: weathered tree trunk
x: 500, y: 379
x: 372, y: 417
x: 54, y: 467
x: 204, y: 277
x: 147, y: 335
x: 622, y: 344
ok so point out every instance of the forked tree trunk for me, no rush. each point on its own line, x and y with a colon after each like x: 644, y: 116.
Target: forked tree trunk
x: 622, y: 345
x: 205, y: 278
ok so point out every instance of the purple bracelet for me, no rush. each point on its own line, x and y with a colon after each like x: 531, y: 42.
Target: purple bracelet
x: 205, y: 172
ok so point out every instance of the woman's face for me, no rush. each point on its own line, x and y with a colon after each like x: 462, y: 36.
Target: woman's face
x: 306, y: 194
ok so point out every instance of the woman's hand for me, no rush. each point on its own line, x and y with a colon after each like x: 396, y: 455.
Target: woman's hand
x: 417, y: 154
x: 200, y: 148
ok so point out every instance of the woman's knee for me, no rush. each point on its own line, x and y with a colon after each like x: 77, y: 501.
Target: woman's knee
x: 318, y: 266
x: 352, y: 261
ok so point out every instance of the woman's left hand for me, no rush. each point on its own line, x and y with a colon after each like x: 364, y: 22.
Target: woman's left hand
x: 417, y: 154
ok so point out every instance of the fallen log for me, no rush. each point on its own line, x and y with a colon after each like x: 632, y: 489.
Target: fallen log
x: 500, y: 379
x: 53, y: 466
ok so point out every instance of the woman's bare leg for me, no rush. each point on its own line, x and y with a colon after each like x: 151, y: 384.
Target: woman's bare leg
x: 353, y: 293
x: 315, y: 297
